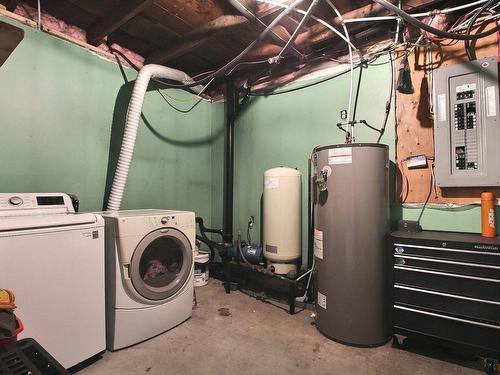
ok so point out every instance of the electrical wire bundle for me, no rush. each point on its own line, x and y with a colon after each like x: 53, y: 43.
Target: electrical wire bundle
x: 460, y: 30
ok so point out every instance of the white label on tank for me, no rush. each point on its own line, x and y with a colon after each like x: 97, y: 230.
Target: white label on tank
x: 341, y: 155
x: 321, y: 300
x: 441, y: 109
x: 318, y: 244
x: 491, y: 107
x: 271, y: 183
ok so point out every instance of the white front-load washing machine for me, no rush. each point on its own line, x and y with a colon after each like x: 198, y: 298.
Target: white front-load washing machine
x: 149, y: 273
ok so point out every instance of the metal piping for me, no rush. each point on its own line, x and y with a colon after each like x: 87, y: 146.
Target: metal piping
x: 419, y: 15
x: 301, y: 24
x: 228, y: 190
x: 252, y: 17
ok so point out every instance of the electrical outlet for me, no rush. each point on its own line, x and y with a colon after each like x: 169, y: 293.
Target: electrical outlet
x: 251, y: 222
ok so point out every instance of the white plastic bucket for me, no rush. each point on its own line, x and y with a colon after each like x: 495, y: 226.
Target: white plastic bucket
x: 201, y: 268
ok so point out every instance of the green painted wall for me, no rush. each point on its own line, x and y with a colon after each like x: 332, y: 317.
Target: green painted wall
x: 63, y: 109
x: 282, y: 130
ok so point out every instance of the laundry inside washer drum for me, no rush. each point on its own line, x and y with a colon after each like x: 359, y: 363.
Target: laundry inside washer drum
x: 161, y: 262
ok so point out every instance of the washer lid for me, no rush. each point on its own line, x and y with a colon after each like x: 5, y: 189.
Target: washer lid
x: 12, y: 223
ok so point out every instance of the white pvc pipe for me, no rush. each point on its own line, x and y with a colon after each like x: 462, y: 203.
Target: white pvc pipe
x: 132, y: 124
x: 350, y: 128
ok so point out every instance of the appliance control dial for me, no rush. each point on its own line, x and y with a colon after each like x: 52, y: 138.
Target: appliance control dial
x: 15, y: 201
x: 165, y: 219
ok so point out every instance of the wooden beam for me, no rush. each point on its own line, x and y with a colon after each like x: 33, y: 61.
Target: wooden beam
x: 128, y: 9
x: 197, y: 37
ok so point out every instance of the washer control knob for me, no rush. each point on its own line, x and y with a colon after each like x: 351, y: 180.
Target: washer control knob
x: 165, y: 219
x: 15, y: 201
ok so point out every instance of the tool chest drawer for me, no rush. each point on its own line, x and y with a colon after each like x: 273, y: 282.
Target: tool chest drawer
x: 447, y: 286
x: 469, y: 286
x: 445, y: 303
x: 472, y: 255
x: 450, y: 266
x: 442, y: 326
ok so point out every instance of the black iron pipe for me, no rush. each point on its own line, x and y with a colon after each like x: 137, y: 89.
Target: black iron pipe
x: 231, y: 105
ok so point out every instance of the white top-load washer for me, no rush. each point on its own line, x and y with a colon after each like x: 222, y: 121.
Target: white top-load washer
x: 53, y: 260
x: 149, y: 273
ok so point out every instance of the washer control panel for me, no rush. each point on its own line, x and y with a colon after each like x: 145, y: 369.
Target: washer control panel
x: 168, y: 220
x: 26, y: 203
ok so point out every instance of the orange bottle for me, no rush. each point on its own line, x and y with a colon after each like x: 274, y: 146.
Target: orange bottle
x: 488, y: 228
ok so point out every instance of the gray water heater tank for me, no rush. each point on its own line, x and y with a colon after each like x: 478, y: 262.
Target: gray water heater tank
x: 351, y: 221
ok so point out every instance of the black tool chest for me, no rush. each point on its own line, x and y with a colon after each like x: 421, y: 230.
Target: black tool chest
x: 447, y: 286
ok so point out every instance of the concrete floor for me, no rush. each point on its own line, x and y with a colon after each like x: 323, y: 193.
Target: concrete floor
x: 257, y: 338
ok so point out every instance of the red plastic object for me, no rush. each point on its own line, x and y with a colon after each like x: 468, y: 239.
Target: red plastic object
x: 18, y: 330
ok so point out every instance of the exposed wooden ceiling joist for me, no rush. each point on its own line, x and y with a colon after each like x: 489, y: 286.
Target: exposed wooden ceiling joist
x: 197, y: 37
x: 201, y: 35
x: 128, y: 9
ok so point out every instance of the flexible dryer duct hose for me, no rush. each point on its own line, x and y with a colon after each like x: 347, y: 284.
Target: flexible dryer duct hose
x: 132, y: 124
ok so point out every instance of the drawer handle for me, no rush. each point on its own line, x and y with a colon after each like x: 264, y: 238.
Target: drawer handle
x: 447, y: 317
x: 449, y: 249
x: 446, y: 274
x: 400, y: 250
x: 446, y: 294
x: 448, y: 262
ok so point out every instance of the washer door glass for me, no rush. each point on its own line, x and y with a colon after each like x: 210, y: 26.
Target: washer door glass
x: 161, y: 264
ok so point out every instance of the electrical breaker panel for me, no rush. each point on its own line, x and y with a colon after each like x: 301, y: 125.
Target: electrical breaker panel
x: 466, y: 124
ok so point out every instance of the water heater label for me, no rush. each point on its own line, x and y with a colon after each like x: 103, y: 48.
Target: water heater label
x: 271, y: 182
x: 318, y: 244
x: 322, y: 300
x: 340, y: 155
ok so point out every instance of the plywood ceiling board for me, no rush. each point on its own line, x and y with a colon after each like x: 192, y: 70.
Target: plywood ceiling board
x: 96, y: 7
x: 143, y: 28
x: 194, y: 12
x: 166, y: 17
x: 65, y: 11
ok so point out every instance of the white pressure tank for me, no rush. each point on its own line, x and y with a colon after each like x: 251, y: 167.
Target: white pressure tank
x: 282, y: 218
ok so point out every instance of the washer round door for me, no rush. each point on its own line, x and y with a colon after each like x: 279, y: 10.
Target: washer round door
x: 161, y: 264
